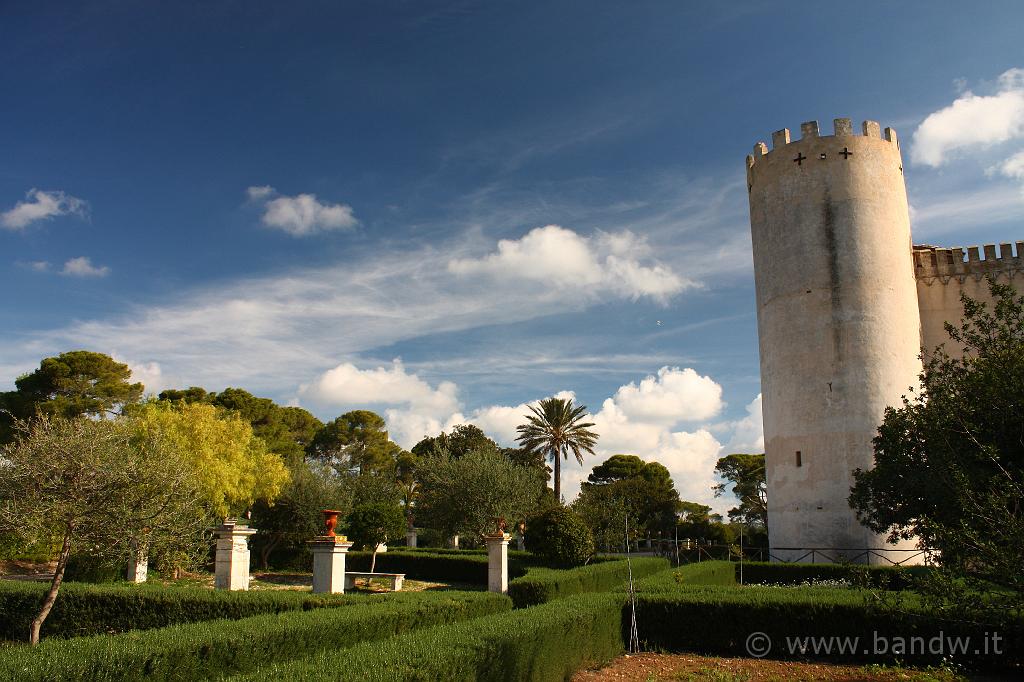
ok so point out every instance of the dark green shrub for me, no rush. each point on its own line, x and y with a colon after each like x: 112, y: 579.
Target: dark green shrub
x: 218, y: 648
x: 560, y: 537
x: 541, y: 585
x: 718, y: 620
x: 88, y: 569
x: 884, y: 577
x: 543, y: 643
x: 83, y: 609
x: 703, y: 573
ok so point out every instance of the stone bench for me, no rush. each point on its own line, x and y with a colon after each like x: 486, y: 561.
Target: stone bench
x: 396, y: 579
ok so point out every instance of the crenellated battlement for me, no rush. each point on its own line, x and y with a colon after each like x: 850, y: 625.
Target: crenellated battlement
x: 933, y: 263
x: 842, y: 127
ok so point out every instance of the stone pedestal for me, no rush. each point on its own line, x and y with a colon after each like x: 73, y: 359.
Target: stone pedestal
x: 453, y: 542
x: 329, y: 563
x: 497, y: 562
x: 138, y: 567
x: 232, y: 567
x: 410, y: 538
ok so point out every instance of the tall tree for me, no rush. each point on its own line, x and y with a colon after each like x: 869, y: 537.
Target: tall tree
x: 746, y: 474
x: 555, y: 428
x: 356, y: 440
x: 467, y: 494
x: 949, y: 463
x: 98, y: 486
x: 233, y: 466
x: 78, y: 382
x: 463, y: 439
x: 642, y: 490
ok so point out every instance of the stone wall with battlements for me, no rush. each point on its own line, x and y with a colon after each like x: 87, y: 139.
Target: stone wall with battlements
x: 943, y: 274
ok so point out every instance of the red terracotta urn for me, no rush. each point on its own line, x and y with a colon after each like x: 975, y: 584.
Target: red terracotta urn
x: 330, y: 521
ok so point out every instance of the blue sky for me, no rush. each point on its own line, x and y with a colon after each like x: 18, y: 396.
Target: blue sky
x: 444, y: 210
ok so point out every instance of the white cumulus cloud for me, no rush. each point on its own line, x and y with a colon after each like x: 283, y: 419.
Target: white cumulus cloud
x: 1012, y: 167
x: 972, y: 121
x: 41, y: 205
x: 302, y: 214
x: 82, y: 267
x: 562, y: 259
x: 674, y: 395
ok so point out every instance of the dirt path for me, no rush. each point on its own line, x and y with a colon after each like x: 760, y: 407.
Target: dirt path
x: 652, y: 667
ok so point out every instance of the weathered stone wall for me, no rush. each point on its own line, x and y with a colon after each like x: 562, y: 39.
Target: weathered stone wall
x: 837, y: 320
x: 942, y: 274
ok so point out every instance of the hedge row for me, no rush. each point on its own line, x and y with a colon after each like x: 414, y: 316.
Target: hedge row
x: 83, y: 609
x: 214, y: 649
x: 546, y: 642
x: 718, y: 620
x: 541, y: 585
x: 778, y: 573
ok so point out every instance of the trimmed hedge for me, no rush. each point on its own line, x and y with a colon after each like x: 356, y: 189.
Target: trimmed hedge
x: 705, y: 572
x: 778, y: 573
x: 718, y: 620
x: 541, y: 585
x: 218, y: 648
x: 83, y: 609
x: 542, y: 643
x: 457, y: 566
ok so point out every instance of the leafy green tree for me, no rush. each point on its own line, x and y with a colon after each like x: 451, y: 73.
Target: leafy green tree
x: 604, y: 509
x: 554, y: 429
x: 371, y: 525
x: 628, y: 485
x: 75, y: 383
x: 949, y: 462
x: 463, y: 439
x: 356, y: 440
x: 560, y: 536
x: 466, y: 495
x: 746, y: 474
x: 97, y: 486
x: 287, y: 431
x: 696, y: 522
x: 233, y: 466
x: 295, y: 515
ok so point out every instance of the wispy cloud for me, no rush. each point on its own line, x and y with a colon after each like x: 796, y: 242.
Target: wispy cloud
x: 36, y: 265
x: 82, y: 267
x: 301, y: 215
x: 41, y: 205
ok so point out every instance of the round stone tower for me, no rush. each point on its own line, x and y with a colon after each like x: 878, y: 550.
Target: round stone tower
x: 837, y: 317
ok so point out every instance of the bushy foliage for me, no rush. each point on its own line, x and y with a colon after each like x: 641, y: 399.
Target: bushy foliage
x: 949, y: 463
x: 467, y: 494
x: 214, y: 649
x: 92, y: 609
x: 560, y: 536
x: 541, y: 585
x: 545, y: 643
x: 626, y: 486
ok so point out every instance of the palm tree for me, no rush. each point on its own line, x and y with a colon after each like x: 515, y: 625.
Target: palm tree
x: 554, y: 430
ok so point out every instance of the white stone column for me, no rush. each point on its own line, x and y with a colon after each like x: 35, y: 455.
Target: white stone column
x: 453, y: 542
x: 497, y: 562
x: 410, y: 538
x: 138, y: 566
x: 329, y: 563
x: 232, y: 567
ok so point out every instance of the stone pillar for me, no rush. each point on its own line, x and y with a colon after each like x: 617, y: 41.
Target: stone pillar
x: 453, y: 542
x: 410, y: 538
x: 138, y: 566
x: 497, y: 562
x: 329, y: 562
x: 232, y: 572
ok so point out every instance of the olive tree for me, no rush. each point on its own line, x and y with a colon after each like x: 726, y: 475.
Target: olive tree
x: 96, y: 485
